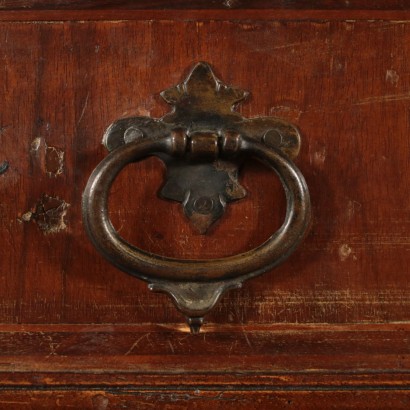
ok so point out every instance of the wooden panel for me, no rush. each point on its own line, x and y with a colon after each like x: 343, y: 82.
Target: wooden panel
x: 353, y: 113
x: 121, y: 352
x: 340, y: 305
x: 300, y: 366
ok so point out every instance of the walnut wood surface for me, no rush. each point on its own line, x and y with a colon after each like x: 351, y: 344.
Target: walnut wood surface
x: 345, y: 84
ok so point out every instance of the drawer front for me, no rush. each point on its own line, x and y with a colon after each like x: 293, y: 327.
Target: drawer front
x: 339, y: 304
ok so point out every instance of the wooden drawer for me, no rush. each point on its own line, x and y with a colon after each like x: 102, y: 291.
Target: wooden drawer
x: 329, y: 327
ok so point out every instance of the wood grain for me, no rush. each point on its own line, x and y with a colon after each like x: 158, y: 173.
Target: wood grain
x: 107, y: 351
x: 201, y: 4
x: 352, y: 267
x: 335, y: 314
x: 184, y: 15
x: 198, y: 399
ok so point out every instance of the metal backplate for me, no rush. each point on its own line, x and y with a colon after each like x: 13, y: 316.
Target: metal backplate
x: 203, y: 109
x: 202, y: 180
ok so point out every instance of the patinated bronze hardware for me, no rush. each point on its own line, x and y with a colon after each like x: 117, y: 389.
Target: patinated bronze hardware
x: 202, y: 142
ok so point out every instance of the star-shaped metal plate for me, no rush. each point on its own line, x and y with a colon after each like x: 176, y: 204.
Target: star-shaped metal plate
x: 203, y: 105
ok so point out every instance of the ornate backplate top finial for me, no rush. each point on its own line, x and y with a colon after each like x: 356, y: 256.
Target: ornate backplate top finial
x: 201, y: 96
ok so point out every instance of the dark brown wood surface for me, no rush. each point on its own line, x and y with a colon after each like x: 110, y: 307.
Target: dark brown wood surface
x: 329, y: 325
x: 203, y: 14
x: 203, y: 4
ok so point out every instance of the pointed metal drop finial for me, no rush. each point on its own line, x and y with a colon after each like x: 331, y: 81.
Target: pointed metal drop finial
x: 195, y: 299
x: 195, y: 324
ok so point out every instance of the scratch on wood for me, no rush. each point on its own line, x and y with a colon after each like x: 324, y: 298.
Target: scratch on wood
x: 290, y: 113
x: 135, y: 344
x: 84, y: 108
x: 20, y: 403
x: 230, y: 3
x: 247, y: 340
x: 351, y: 208
x: 171, y: 347
x: 383, y: 98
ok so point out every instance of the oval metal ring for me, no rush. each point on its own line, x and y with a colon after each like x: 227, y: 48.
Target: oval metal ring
x: 148, y: 266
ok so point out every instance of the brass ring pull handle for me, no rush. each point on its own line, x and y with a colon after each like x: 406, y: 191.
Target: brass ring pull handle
x: 150, y: 266
x: 196, y: 285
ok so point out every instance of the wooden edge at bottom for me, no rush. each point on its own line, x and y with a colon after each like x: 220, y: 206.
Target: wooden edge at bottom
x: 272, y: 357
x: 198, y: 399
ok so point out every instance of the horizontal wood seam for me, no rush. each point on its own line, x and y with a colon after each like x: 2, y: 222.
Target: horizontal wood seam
x: 209, y: 327
x: 198, y: 15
